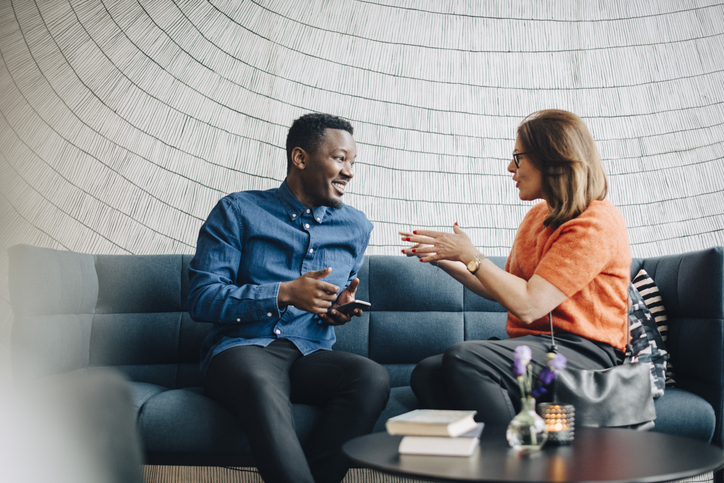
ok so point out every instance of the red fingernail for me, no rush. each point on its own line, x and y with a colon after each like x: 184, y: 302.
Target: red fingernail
x: 403, y: 250
x: 408, y: 238
x: 414, y: 251
x: 456, y: 222
x: 414, y: 232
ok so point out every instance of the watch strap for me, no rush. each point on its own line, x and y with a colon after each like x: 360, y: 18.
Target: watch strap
x: 478, y: 260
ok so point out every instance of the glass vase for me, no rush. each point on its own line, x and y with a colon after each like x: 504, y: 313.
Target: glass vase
x: 527, y: 431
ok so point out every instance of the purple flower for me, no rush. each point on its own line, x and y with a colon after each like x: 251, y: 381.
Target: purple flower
x: 538, y: 391
x: 556, y: 362
x: 546, y: 376
x: 523, y: 371
x: 519, y: 368
x: 523, y: 353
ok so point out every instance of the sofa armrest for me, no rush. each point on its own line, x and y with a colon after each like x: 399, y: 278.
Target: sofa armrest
x: 73, y: 427
x: 53, y: 295
x: 692, y: 289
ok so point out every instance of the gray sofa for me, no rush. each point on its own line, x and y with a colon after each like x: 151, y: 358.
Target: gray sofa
x: 75, y: 310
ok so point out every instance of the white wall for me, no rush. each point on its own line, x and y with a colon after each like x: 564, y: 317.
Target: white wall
x: 123, y: 122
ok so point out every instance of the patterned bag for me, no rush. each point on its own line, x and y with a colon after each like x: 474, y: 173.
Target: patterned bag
x: 647, y: 344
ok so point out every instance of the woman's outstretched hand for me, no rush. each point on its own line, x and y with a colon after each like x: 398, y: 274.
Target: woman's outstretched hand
x: 414, y: 250
x: 433, y: 246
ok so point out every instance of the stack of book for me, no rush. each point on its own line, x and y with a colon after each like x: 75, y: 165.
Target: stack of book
x: 436, y: 432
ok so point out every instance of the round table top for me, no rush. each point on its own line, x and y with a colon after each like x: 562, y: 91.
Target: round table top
x: 596, y: 455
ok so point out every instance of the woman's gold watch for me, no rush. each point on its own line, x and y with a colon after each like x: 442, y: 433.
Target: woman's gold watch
x: 474, y: 264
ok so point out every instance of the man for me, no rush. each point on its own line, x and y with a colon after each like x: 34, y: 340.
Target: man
x: 269, y: 271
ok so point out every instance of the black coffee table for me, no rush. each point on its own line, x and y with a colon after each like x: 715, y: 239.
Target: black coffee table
x: 596, y: 455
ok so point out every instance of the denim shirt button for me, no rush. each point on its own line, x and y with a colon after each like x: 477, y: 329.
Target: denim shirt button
x: 238, y: 320
x: 277, y: 332
x: 268, y: 314
x: 306, y: 226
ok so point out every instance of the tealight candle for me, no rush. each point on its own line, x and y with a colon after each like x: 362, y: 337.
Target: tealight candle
x: 559, y: 419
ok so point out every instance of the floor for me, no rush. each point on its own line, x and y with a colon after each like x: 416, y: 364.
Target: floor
x: 186, y: 474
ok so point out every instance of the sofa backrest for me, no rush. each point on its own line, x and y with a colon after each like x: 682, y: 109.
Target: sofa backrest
x: 74, y: 310
x: 417, y: 311
x: 53, y: 295
x: 692, y: 290
x: 129, y: 311
x: 141, y: 324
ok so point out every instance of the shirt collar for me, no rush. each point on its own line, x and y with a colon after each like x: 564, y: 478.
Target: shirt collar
x: 296, y: 208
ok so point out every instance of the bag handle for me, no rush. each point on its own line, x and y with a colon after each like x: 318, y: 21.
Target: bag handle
x: 553, y: 348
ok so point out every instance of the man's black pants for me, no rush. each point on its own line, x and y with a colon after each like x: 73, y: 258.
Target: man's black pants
x: 259, y: 385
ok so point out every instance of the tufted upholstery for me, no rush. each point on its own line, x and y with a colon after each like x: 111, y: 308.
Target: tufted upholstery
x: 76, y: 310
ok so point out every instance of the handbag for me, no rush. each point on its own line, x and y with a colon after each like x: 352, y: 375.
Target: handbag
x: 619, y: 396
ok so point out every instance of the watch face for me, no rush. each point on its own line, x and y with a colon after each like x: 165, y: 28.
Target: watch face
x: 472, y: 265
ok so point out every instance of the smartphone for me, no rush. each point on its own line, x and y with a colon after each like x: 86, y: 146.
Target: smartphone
x: 348, y: 308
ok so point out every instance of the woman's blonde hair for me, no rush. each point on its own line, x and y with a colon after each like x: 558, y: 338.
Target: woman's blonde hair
x: 561, y: 147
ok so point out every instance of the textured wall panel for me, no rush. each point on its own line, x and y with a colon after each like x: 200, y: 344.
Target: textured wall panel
x: 122, y: 122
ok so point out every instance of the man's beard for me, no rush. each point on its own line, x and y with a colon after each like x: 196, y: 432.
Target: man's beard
x: 334, y: 204
x: 330, y: 202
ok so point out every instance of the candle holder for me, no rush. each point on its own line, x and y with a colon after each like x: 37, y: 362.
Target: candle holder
x: 560, y: 421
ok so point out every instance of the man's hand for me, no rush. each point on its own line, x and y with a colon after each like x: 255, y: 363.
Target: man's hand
x: 309, y: 292
x: 333, y: 317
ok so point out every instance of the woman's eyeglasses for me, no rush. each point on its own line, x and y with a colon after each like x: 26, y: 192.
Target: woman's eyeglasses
x: 516, y: 159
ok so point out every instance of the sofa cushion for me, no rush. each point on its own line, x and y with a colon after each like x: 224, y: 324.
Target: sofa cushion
x: 701, y: 295
x: 485, y: 325
x: 186, y: 421
x: 135, y: 339
x: 433, y: 290
x: 399, y: 374
x: 354, y: 336
x: 139, y: 284
x: 402, y: 400
x: 142, y: 392
x: 684, y: 414
x: 400, y: 338
x: 160, y: 348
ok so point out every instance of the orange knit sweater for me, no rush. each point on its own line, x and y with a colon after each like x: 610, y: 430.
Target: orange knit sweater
x: 588, y: 259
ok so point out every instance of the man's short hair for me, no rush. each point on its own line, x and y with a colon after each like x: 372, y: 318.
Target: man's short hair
x: 308, y: 132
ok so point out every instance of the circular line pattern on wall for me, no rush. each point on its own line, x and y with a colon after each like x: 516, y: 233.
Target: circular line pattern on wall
x: 123, y: 122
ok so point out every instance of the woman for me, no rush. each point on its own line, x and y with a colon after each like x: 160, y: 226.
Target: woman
x: 570, y: 257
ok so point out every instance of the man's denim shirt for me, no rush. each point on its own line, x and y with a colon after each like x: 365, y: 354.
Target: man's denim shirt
x: 250, y: 243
